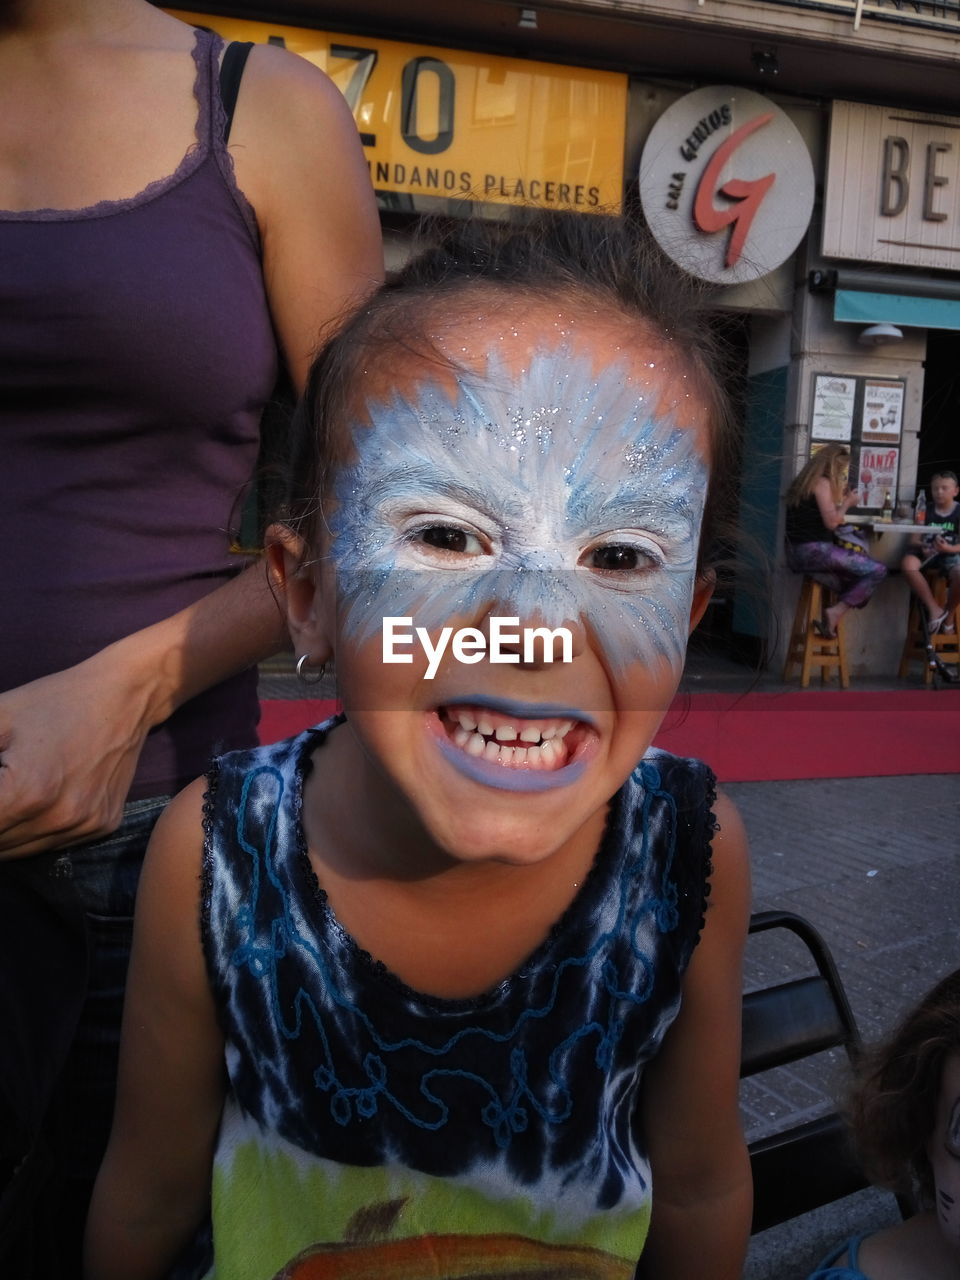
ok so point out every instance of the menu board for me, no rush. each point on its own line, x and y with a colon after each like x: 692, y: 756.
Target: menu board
x: 882, y: 415
x: 867, y: 414
x: 833, y: 401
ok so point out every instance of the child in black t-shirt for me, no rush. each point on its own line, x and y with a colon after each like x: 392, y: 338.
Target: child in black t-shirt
x: 940, y: 549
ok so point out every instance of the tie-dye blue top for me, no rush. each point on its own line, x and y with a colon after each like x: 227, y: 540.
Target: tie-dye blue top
x: 374, y: 1131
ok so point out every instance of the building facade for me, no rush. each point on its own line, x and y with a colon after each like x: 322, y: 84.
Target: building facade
x: 803, y: 155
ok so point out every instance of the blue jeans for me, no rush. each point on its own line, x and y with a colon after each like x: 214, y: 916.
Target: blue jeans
x: 61, y: 1034
x: 105, y: 876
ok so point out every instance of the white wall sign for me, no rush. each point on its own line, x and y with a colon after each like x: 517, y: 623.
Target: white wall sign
x: 726, y: 184
x: 893, y: 187
x: 882, y: 411
x: 833, y: 398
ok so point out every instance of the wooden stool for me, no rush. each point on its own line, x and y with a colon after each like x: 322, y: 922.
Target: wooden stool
x: 947, y: 647
x: 808, y: 650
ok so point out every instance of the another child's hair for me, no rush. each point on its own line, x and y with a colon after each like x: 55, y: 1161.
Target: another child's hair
x: 894, y: 1105
x: 600, y: 261
x: 829, y: 461
x: 945, y: 475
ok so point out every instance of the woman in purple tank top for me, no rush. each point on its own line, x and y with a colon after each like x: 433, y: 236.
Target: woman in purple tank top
x: 152, y: 283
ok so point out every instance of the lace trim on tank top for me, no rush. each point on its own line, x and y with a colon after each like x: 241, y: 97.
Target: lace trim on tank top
x: 448, y: 1004
x: 208, y: 135
x: 712, y: 826
x: 315, y: 738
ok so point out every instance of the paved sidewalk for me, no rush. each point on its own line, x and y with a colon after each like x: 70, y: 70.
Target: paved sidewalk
x: 874, y: 864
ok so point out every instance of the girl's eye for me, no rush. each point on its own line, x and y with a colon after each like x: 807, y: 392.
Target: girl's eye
x: 618, y: 558
x: 451, y: 538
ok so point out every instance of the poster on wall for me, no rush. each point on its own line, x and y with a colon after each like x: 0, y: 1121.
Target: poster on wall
x: 833, y: 401
x: 877, y: 475
x: 882, y: 411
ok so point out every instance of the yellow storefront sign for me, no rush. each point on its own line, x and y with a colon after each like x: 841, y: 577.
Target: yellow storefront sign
x: 467, y: 126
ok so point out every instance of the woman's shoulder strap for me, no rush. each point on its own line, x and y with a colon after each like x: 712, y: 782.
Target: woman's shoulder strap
x: 231, y: 73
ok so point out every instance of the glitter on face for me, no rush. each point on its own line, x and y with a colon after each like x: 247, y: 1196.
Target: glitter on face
x: 539, y: 471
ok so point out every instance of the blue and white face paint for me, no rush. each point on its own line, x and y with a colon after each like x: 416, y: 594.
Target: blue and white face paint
x: 569, y: 497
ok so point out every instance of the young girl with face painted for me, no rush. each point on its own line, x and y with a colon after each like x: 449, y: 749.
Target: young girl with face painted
x: 906, y: 1122
x: 450, y: 986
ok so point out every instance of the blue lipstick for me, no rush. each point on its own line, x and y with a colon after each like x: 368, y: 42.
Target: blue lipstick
x: 505, y: 778
x: 523, y: 710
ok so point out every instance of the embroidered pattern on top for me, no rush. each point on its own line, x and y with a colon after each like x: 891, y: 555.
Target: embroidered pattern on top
x: 266, y: 945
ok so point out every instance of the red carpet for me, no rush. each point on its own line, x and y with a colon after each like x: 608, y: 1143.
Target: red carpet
x: 810, y: 733
x: 761, y: 737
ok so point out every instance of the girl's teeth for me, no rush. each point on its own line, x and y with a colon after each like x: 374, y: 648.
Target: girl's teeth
x: 477, y: 737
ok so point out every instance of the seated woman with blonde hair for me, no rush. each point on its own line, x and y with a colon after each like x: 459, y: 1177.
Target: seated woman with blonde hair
x: 817, y: 505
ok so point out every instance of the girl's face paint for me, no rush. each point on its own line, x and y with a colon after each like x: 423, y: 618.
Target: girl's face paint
x: 552, y: 496
x: 559, y: 481
x: 944, y: 1152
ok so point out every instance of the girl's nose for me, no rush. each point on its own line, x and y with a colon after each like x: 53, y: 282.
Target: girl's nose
x: 532, y: 641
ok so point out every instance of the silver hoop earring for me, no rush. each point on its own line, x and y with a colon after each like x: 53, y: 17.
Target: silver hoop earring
x: 315, y: 675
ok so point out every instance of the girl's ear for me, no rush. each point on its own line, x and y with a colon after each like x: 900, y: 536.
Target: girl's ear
x: 702, y: 591
x: 299, y: 586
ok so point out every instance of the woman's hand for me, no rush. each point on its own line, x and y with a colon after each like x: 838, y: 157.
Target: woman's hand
x: 70, y: 742
x: 69, y: 745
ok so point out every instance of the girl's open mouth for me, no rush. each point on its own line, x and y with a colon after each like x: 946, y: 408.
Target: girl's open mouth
x: 508, y: 741
x: 501, y: 748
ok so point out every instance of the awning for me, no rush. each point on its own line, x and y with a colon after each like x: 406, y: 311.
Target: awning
x: 856, y: 306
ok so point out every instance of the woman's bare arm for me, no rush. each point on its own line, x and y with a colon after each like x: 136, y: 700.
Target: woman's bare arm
x: 832, y: 513
x: 153, y: 1188
x: 298, y: 159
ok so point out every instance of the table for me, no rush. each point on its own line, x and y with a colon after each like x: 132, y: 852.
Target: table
x: 889, y: 538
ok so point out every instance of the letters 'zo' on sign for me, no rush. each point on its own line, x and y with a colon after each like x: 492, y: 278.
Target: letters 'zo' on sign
x: 466, y: 126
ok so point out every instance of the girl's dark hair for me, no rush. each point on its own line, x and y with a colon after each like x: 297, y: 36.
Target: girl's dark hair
x: 827, y: 461
x: 602, y: 261
x: 894, y: 1105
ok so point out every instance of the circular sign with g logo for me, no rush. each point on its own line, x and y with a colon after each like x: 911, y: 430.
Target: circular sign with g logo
x: 726, y: 184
